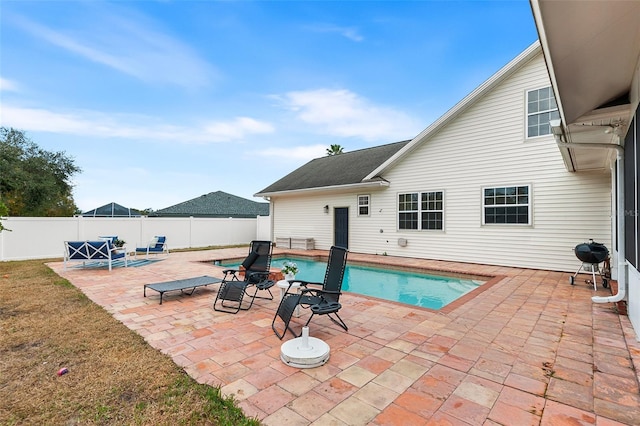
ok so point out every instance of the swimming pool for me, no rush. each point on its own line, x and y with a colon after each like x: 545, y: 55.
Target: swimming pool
x: 412, y: 288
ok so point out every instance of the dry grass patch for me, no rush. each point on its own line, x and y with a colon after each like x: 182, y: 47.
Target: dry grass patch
x: 114, y: 376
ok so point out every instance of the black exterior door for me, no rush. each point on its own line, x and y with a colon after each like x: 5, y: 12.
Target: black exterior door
x: 341, y: 226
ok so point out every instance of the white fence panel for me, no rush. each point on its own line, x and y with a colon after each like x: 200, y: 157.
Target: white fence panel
x: 43, y: 237
x: 34, y: 238
x: 263, y: 228
x: 225, y: 232
x: 126, y: 229
x: 176, y: 229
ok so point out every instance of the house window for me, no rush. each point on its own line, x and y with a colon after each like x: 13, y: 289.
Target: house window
x: 432, y: 210
x: 363, y: 205
x: 541, y: 108
x: 421, y: 210
x: 507, y: 205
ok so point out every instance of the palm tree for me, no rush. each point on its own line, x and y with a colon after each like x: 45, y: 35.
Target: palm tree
x: 334, y: 149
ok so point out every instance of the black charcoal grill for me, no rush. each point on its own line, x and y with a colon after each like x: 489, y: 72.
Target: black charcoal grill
x: 592, y: 254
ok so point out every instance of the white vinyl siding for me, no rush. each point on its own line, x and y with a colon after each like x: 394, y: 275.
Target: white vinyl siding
x: 483, y: 148
x: 303, y: 216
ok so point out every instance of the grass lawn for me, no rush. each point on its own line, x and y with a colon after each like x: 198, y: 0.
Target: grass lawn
x: 113, y: 376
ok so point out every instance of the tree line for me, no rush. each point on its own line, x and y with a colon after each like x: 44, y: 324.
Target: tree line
x: 34, y: 182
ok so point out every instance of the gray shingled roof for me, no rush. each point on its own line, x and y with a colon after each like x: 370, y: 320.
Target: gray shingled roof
x: 112, y: 210
x: 216, y: 204
x: 334, y: 170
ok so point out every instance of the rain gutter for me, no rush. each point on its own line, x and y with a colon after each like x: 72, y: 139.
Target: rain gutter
x: 359, y: 185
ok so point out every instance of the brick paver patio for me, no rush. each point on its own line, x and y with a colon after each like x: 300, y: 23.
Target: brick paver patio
x: 530, y: 349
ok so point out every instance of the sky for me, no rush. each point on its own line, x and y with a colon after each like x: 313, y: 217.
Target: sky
x: 159, y: 102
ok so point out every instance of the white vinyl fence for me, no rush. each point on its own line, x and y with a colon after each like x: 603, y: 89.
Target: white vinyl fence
x: 43, y: 237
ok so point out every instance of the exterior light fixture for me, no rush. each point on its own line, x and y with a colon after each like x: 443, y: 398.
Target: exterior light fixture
x: 326, y: 209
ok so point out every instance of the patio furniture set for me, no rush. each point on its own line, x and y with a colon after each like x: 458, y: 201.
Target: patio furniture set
x: 104, y: 251
x: 239, y: 288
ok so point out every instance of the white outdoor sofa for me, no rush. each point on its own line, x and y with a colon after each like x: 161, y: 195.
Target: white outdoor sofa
x: 92, y: 251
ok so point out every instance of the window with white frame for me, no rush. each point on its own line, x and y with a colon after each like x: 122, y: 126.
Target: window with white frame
x: 541, y: 108
x: 432, y: 210
x: 421, y: 210
x: 363, y: 205
x: 408, y: 211
x: 507, y: 205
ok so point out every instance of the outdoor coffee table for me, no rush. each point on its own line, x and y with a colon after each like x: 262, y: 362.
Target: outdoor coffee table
x: 181, y: 285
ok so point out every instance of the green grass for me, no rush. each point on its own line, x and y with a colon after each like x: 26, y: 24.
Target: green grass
x: 114, y: 376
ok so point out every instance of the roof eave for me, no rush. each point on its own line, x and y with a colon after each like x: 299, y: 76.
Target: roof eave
x: 364, y: 185
x: 591, y: 105
x: 544, y: 43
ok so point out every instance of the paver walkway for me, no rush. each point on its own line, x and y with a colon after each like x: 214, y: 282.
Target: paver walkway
x: 530, y: 349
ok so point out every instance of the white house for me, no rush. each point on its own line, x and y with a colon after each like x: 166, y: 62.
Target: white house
x: 492, y: 181
x: 479, y: 185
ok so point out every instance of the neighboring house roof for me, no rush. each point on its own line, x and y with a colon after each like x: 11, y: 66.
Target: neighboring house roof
x: 112, y: 210
x: 348, y: 168
x: 216, y: 204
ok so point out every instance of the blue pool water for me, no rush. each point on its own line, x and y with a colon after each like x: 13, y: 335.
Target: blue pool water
x: 427, y: 291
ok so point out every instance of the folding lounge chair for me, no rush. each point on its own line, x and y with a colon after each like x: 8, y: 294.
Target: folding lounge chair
x: 256, y: 274
x: 320, y: 301
x: 157, y: 245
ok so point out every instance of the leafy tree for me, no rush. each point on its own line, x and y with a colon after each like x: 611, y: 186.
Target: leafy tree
x: 33, y: 181
x: 334, y: 149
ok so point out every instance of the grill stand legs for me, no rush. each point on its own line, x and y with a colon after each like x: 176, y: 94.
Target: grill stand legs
x: 593, y: 267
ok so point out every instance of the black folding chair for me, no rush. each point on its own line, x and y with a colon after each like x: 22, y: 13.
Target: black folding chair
x: 256, y: 274
x: 320, y: 301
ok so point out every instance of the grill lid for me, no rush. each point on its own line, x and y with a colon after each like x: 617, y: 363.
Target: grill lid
x: 591, y: 252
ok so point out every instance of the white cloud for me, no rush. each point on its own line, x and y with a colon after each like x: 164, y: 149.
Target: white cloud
x: 348, y: 32
x: 7, y: 85
x: 345, y: 114
x: 130, y: 45
x: 237, y: 128
x: 97, y: 124
x: 297, y: 152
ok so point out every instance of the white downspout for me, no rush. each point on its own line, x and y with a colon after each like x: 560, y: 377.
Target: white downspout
x: 622, y: 261
x: 622, y: 255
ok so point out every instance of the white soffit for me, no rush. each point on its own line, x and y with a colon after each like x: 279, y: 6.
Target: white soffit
x: 593, y: 47
x: 592, y: 50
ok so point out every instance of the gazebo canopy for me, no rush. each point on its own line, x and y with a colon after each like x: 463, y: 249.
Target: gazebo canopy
x: 112, y: 210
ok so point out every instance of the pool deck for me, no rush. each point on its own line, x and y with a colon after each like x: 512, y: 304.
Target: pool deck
x: 529, y: 349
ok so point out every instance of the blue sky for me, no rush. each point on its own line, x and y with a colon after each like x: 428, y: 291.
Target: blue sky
x: 162, y: 101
